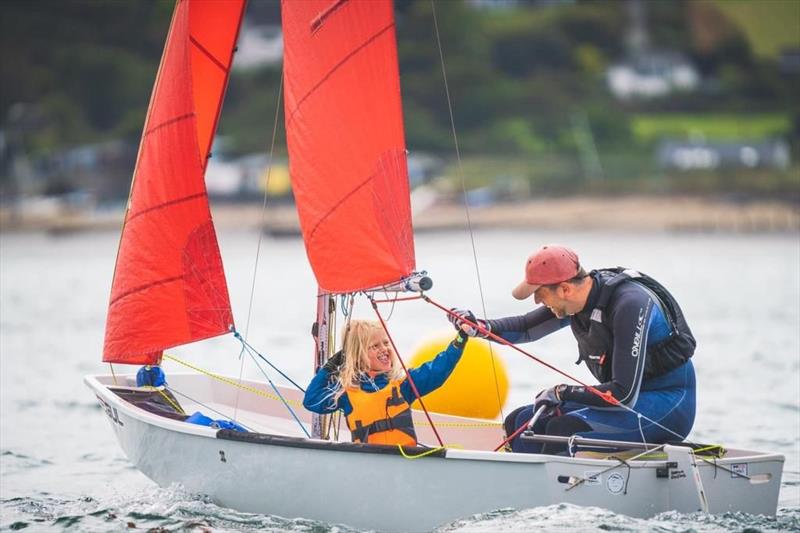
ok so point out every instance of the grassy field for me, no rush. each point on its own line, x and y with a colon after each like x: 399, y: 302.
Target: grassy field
x: 622, y: 172
x: 769, y: 24
x: 649, y: 127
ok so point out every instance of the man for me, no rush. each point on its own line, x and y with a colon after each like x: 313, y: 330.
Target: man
x: 631, y: 334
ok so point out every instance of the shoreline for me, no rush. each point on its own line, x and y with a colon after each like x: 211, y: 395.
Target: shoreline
x: 630, y: 213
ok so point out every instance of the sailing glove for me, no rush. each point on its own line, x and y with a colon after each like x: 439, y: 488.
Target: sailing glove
x: 333, y: 364
x: 461, y: 338
x: 550, y: 398
x: 457, y: 319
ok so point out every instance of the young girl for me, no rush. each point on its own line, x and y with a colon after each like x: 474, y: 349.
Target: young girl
x: 367, y: 382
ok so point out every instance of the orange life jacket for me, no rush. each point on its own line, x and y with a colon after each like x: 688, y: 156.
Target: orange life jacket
x: 381, y: 417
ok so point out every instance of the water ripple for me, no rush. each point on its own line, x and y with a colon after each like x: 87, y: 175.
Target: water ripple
x: 156, y: 510
x: 14, y: 462
x: 568, y: 517
x: 789, y: 407
x: 78, y: 405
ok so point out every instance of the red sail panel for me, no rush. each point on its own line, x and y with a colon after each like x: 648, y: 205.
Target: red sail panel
x: 344, y: 131
x: 214, y: 29
x: 169, y: 286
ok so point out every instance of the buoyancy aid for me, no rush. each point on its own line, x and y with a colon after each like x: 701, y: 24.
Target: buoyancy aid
x: 594, y: 332
x: 381, y: 417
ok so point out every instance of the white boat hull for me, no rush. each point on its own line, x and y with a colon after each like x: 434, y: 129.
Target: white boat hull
x: 376, y: 487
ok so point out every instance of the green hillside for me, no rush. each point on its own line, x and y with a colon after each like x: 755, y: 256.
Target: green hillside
x: 770, y: 25
x: 527, y: 83
x: 649, y: 127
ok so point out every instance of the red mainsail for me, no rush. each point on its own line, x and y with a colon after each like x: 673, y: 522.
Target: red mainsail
x: 169, y: 286
x: 344, y: 131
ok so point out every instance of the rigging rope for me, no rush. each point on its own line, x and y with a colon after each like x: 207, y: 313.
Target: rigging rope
x: 392, y: 300
x: 261, y: 226
x: 231, y: 382
x: 423, y: 454
x: 209, y: 408
x: 172, y: 404
x: 333, y: 420
x: 408, y: 374
x: 606, y: 396
x: 253, y: 352
x: 239, y: 385
x: 334, y: 423
x: 466, y: 202
x: 278, y: 392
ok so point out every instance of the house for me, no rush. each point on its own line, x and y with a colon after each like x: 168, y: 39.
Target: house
x: 652, y: 74
x: 703, y: 155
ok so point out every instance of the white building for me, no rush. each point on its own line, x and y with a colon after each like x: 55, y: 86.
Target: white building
x: 652, y: 75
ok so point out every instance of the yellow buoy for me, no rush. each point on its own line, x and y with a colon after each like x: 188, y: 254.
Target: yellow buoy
x: 279, y: 182
x: 478, y: 386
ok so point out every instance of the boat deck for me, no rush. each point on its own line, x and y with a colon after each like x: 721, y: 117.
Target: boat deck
x: 258, y: 408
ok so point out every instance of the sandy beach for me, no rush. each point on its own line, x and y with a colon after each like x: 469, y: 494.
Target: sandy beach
x: 630, y: 213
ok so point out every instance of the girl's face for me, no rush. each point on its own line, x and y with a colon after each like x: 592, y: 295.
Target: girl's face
x: 379, y: 354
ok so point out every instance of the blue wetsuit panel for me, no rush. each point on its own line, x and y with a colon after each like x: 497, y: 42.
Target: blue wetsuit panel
x: 667, y: 400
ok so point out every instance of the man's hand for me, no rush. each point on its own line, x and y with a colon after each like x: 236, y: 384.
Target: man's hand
x: 457, y: 319
x: 549, y: 397
x: 333, y: 364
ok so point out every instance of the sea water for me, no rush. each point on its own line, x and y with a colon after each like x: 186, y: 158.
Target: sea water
x: 61, y: 468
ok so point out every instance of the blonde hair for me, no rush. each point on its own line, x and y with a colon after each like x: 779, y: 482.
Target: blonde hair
x: 357, y: 335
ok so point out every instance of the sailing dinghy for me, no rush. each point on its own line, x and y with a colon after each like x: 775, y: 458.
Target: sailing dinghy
x: 348, y: 167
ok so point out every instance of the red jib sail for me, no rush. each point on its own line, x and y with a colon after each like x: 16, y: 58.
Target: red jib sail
x: 344, y: 132
x: 169, y: 286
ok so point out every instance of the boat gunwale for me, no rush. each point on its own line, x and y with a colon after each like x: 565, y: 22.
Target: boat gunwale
x: 414, y: 452
x: 317, y: 444
x: 107, y: 396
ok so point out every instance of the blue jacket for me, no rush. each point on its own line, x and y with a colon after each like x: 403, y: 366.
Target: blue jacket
x: 427, y: 377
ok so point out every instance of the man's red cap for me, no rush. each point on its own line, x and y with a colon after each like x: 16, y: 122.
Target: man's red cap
x: 551, y: 264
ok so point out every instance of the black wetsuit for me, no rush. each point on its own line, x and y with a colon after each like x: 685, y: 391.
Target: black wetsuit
x: 635, y: 341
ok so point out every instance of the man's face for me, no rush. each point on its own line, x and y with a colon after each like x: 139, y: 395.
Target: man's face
x: 554, y: 298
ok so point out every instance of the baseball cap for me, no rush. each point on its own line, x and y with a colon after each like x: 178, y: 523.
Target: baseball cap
x: 549, y: 265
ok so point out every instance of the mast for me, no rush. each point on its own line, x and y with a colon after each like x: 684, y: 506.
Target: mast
x: 324, y: 335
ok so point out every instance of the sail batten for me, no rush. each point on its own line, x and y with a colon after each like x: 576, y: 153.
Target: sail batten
x: 168, y: 122
x: 208, y: 54
x: 169, y: 285
x: 317, y: 21
x: 333, y: 70
x: 142, y: 288
x: 344, y: 132
x: 168, y: 204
